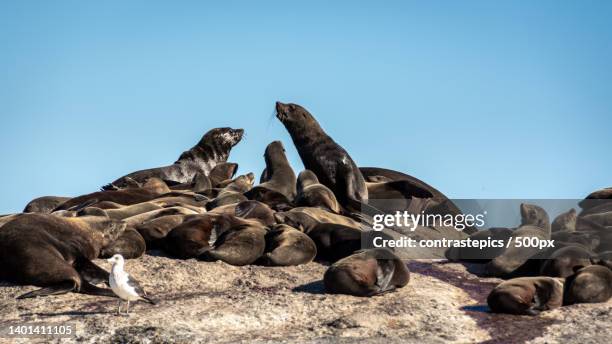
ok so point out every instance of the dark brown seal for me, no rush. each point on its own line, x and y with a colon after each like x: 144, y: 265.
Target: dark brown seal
x: 526, y: 295
x: 311, y: 193
x: 191, y: 238
x: 55, y: 252
x: 130, y: 244
x: 221, y: 172
x: 280, y: 175
x: 152, y: 188
x: 287, y: 246
x: 332, y: 165
x: 45, y: 204
x: 213, y: 148
x: 590, y: 284
x: 366, y: 273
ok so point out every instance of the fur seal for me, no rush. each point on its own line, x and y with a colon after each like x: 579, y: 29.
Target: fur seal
x: 280, y: 175
x: 141, y: 218
x: 153, y: 188
x: 311, y: 193
x: 255, y: 210
x: 200, y: 183
x: 534, y: 224
x: 335, y: 241
x: 287, y: 246
x: 526, y: 295
x: 45, y: 204
x: 130, y: 244
x: 233, y: 192
x: 191, y: 238
x: 563, y: 262
x: 242, y: 244
x: 332, y: 165
x: 55, y: 253
x: 564, y: 222
x: 221, y: 172
x: 590, y: 284
x: 213, y: 148
x: 366, y: 273
x: 155, y: 230
x: 305, y: 218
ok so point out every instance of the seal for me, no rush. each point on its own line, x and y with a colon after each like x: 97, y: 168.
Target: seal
x: 222, y: 172
x: 191, y: 238
x: 55, y: 253
x: 255, y: 210
x: 526, y: 295
x: 564, y: 261
x: 141, y: 218
x: 335, y: 241
x: 45, y: 204
x: 311, y: 193
x: 280, y: 175
x: 332, y: 165
x: 287, y: 246
x: 151, y: 189
x: 130, y: 244
x: 233, y: 192
x: 565, y: 222
x: 366, y: 273
x: 242, y: 244
x: 155, y: 230
x: 534, y: 224
x: 591, y: 284
x: 213, y: 148
x: 305, y: 218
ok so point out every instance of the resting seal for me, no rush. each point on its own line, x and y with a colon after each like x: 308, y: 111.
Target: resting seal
x: 213, y: 148
x: 526, y: 295
x: 366, y: 273
x: 190, y: 238
x: 311, y: 193
x: 242, y: 244
x: 55, y: 252
x: 591, y: 284
x: 286, y: 246
x: 45, y: 204
x: 153, y: 188
x: 322, y: 155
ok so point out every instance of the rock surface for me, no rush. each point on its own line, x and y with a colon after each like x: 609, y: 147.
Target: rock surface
x: 216, y: 302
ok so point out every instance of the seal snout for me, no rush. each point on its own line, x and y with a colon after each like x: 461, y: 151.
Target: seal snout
x: 281, y: 111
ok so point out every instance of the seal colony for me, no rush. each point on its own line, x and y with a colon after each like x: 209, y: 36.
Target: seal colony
x: 197, y: 208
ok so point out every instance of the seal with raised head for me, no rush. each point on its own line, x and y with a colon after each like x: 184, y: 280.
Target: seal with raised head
x: 332, y: 165
x: 287, y: 246
x: 526, y: 295
x: 281, y: 177
x: 213, y: 148
x: 366, y: 273
x: 279, y: 188
x: 535, y: 225
x: 564, y: 222
x: 55, y: 253
x: 590, y: 284
x: 311, y: 193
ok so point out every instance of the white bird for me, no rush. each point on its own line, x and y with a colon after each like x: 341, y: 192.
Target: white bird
x: 123, y: 286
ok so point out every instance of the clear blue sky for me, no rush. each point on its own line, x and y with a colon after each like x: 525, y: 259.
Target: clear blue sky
x: 481, y: 99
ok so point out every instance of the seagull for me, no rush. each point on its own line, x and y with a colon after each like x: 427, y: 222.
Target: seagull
x: 123, y: 286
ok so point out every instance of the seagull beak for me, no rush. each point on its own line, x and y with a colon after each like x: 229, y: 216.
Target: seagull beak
x: 110, y: 260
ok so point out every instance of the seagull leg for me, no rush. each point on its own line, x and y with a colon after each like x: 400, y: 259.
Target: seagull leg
x: 128, y: 307
x: 119, y: 309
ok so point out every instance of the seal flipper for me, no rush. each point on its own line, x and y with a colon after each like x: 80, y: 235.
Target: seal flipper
x: 384, y: 274
x: 90, y: 272
x: 57, y: 289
